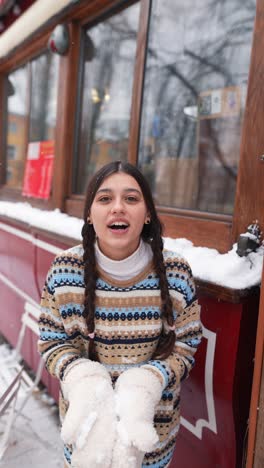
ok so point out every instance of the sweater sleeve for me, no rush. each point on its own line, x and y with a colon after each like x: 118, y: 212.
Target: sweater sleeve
x: 188, y: 327
x: 54, y: 344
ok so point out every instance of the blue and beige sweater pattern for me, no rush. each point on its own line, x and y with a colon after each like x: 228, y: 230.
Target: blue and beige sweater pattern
x: 127, y: 329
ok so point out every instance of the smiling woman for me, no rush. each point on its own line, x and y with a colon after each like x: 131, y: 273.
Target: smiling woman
x: 119, y: 328
x: 118, y: 214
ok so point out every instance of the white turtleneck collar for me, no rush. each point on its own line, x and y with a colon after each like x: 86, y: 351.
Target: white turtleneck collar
x: 128, y: 267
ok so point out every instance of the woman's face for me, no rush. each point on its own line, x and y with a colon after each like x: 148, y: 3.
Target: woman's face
x: 118, y: 214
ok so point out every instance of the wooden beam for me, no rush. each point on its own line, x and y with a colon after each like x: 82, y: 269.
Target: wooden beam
x: 137, y: 93
x: 255, y: 452
x: 3, y: 123
x: 250, y: 187
x: 66, y: 111
x: 203, y: 233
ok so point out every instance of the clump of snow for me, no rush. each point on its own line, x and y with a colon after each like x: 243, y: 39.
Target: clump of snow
x: 249, y: 235
x: 53, y: 221
x: 47, y: 399
x: 85, y: 429
x: 228, y: 269
x: 5, y: 351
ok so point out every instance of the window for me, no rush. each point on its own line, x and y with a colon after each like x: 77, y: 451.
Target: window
x: 12, y: 127
x: 31, y: 107
x: 106, y: 77
x: 9, y: 174
x: 11, y: 151
x: 194, y: 97
x: 43, y: 97
x: 17, y: 108
x: 159, y: 83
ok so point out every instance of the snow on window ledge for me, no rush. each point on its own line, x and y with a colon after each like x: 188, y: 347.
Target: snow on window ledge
x: 228, y: 270
x: 53, y: 221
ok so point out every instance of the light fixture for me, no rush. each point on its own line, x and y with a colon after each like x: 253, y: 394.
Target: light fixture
x: 107, y: 95
x: 191, y: 111
x: 95, y: 96
x: 59, y: 40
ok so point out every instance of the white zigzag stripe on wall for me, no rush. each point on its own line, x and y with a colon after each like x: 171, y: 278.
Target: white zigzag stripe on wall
x: 210, y: 423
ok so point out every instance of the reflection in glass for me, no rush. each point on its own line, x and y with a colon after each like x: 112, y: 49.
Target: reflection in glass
x: 194, y: 97
x: 43, y: 102
x: 17, y: 117
x: 105, y: 96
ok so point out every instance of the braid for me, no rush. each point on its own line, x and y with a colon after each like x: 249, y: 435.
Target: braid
x: 166, y: 341
x: 166, y: 302
x: 90, y: 274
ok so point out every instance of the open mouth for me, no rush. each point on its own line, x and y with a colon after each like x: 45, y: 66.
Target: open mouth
x: 118, y: 226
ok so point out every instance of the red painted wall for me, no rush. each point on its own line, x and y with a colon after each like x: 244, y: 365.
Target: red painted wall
x: 219, y: 384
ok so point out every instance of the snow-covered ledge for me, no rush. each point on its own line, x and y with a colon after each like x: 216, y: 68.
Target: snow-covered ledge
x: 52, y: 221
x: 228, y: 270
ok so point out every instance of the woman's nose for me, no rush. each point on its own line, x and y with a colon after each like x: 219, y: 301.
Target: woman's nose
x: 118, y: 206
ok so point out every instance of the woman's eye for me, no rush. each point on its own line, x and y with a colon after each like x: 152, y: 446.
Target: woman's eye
x: 104, y: 199
x: 131, y: 199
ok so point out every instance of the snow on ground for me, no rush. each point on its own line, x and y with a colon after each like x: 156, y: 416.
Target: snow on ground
x: 228, y: 269
x: 35, y: 437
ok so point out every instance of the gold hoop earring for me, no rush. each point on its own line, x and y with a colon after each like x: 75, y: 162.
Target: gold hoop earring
x: 89, y: 220
x: 147, y: 221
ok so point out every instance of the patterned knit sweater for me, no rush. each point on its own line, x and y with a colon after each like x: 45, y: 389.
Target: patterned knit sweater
x: 127, y: 330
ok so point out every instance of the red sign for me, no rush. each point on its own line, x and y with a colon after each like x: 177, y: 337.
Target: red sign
x: 39, y: 169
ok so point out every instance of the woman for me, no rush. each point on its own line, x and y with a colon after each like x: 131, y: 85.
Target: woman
x: 119, y: 327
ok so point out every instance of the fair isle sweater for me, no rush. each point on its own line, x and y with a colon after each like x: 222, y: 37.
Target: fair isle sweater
x: 127, y: 328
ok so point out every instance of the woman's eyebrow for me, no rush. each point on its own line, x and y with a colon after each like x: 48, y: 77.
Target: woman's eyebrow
x: 108, y: 190
x: 133, y: 190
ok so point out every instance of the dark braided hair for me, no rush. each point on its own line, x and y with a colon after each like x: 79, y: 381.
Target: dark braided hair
x: 151, y: 233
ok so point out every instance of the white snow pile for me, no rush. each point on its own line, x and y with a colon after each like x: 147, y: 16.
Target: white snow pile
x: 8, y: 360
x: 228, y: 269
x: 86, y: 427
x: 53, y: 221
x: 5, y: 352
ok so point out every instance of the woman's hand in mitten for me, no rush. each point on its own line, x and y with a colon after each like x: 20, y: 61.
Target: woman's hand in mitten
x: 90, y: 422
x: 138, y: 391
x: 126, y: 456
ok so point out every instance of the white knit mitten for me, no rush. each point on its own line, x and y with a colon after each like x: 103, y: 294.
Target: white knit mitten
x: 125, y: 456
x: 90, y: 422
x: 138, y: 392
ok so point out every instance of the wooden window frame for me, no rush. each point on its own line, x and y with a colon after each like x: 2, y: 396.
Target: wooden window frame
x: 16, y: 61
x: 204, y: 229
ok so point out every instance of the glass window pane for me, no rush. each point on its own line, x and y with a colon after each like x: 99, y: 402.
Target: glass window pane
x: 17, y: 118
x: 108, y: 59
x: 43, y: 104
x: 194, y: 97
